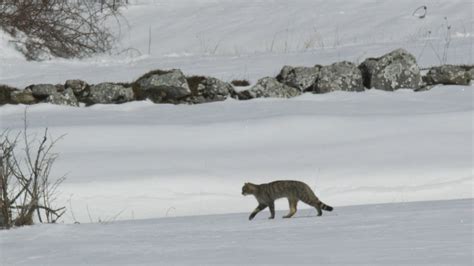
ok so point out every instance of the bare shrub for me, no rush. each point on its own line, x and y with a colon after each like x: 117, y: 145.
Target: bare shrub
x: 26, y: 191
x: 57, y: 27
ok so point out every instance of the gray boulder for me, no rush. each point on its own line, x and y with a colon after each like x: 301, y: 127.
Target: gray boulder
x: 395, y: 70
x: 42, y: 91
x: 22, y: 97
x: 302, y: 78
x: 66, y: 97
x: 3, y: 222
x: 79, y: 87
x: 471, y: 71
x: 448, y: 75
x: 106, y: 93
x: 208, y: 89
x: 5, y: 94
x: 163, y: 86
x: 341, y: 76
x: 268, y: 87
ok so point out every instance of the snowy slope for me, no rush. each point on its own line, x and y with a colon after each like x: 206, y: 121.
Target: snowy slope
x: 422, y: 233
x: 141, y: 160
x: 144, y: 160
x: 250, y: 39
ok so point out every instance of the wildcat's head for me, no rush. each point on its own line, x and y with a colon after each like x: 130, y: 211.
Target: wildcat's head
x: 249, y: 189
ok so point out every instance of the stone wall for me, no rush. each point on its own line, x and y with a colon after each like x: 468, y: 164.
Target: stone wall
x: 395, y: 70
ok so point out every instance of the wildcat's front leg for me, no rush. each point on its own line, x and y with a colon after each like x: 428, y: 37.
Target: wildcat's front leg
x: 259, y: 208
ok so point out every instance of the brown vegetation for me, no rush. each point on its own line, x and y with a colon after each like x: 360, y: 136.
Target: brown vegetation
x: 57, y: 27
x: 27, y: 193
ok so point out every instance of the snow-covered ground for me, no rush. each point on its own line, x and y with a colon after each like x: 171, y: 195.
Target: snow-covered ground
x: 421, y: 233
x: 143, y: 160
x: 234, y: 39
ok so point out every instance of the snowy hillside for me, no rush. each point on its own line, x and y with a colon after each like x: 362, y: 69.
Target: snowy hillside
x: 251, y: 39
x: 427, y: 233
x: 410, y: 153
x: 144, y: 160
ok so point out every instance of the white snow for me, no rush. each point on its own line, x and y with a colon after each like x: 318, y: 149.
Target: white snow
x: 235, y: 39
x: 7, y: 50
x: 145, y: 160
x: 422, y: 233
x: 141, y: 160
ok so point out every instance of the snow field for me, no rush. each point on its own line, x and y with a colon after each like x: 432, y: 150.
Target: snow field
x: 418, y: 233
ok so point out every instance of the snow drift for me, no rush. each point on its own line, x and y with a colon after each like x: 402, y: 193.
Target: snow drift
x: 144, y: 160
x: 395, y: 234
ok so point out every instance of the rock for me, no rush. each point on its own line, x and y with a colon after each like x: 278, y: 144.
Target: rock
x: 5, y: 94
x: 302, y: 78
x: 163, y: 86
x: 42, y: 91
x: 240, y: 83
x: 448, y: 75
x: 23, y: 97
x: 65, y: 98
x: 3, y: 219
x: 395, y: 70
x: 424, y: 88
x: 208, y: 89
x: 107, y: 93
x: 79, y: 87
x: 268, y: 87
x: 471, y: 71
x: 341, y: 76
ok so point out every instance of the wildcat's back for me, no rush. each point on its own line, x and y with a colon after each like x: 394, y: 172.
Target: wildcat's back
x: 288, y: 189
x: 266, y: 194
